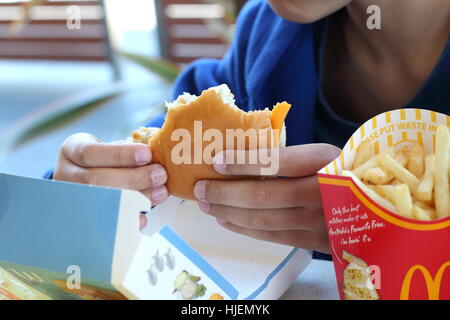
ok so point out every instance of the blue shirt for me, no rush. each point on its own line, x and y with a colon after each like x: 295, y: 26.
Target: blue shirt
x: 273, y: 60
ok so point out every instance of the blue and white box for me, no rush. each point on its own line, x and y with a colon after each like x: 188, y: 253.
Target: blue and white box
x: 63, y: 240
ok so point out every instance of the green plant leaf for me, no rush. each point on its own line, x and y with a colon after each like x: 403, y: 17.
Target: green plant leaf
x: 55, y: 115
x: 164, y: 68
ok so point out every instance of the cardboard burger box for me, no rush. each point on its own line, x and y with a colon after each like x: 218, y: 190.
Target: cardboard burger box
x: 379, y: 254
x: 63, y: 240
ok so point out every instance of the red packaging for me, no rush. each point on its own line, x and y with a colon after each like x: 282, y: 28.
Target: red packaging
x: 378, y: 254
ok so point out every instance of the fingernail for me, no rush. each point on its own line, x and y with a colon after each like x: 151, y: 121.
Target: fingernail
x: 204, y: 206
x: 219, y: 163
x: 142, y: 156
x: 159, y: 177
x: 159, y: 195
x: 200, y: 190
x: 220, y: 168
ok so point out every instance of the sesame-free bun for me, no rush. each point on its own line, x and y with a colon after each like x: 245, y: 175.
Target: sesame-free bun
x: 215, y: 109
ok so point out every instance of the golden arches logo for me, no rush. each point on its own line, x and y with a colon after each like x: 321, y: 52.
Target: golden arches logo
x: 433, y: 284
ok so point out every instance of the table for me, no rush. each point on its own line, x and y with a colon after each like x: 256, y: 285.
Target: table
x: 317, y: 282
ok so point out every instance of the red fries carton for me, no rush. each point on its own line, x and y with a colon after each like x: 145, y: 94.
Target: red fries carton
x: 378, y: 254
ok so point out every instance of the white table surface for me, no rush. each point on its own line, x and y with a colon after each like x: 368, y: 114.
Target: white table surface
x: 317, y: 282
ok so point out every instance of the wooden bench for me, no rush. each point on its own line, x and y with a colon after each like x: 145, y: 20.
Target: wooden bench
x: 47, y: 36
x: 184, y: 32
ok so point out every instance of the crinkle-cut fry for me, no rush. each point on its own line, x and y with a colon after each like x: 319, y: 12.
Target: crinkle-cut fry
x: 416, y: 158
x: 403, y: 200
x: 363, y: 154
x: 424, y: 191
x: 420, y: 214
x: 370, y: 193
x: 398, y: 171
x: 377, y: 175
x: 371, y: 163
x: 441, y: 188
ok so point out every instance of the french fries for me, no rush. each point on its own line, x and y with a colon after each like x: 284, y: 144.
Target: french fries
x: 363, y: 155
x: 399, y: 195
x: 424, y: 191
x: 371, y: 163
x: 420, y: 214
x: 401, y: 158
x: 402, y: 174
x: 403, y: 200
x: 373, y: 195
x: 442, y: 197
x: 377, y: 175
x: 385, y: 191
x: 426, y: 209
x: 407, y: 182
x: 416, y: 160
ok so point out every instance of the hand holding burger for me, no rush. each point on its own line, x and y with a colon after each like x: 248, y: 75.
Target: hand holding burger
x: 284, y: 208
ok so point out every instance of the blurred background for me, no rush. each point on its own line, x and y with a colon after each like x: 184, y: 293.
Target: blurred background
x: 103, y: 67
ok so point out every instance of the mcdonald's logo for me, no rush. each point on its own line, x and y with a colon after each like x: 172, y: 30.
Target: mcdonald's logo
x: 433, y: 284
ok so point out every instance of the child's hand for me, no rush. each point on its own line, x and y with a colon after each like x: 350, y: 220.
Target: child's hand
x: 284, y: 210
x: 85, y: 159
